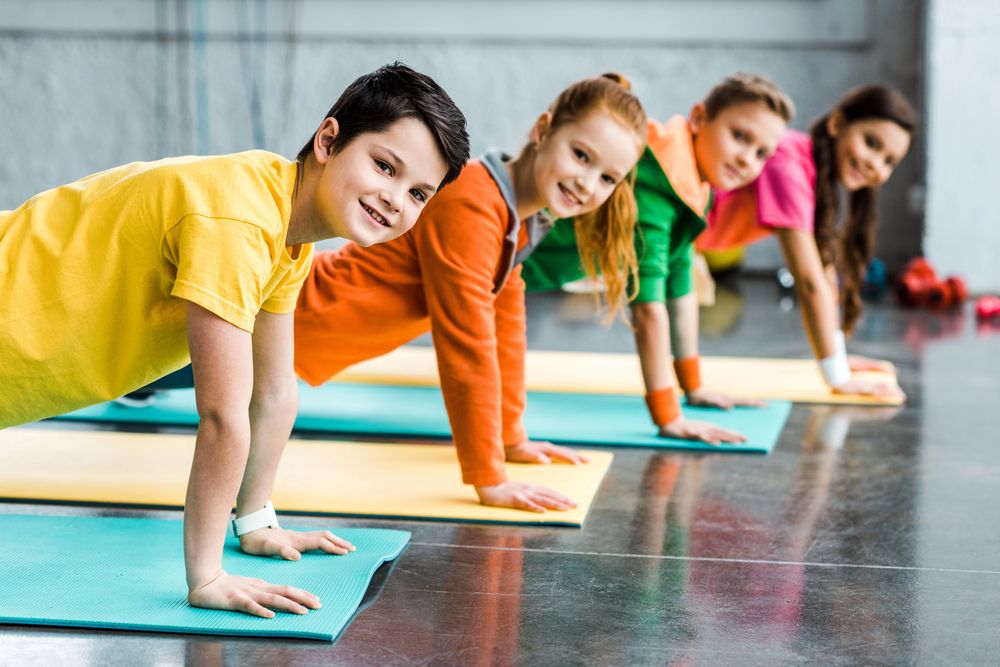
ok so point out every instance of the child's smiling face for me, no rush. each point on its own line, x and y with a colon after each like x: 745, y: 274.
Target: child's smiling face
x: 732, y: 148
x: 867, y: 151
x: 375, y: 187
x: 579, y: 164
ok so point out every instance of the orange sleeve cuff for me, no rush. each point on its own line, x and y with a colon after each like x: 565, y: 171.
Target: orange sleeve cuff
x: 688, y: 373
x: 663, y: 405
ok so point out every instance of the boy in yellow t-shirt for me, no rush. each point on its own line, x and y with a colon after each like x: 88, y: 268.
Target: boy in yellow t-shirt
x: 123, y: 276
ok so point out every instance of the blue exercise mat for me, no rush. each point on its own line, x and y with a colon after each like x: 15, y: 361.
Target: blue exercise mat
x: 128, y: 574
x: 393, y: 410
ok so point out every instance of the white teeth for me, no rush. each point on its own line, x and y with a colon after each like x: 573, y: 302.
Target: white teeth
x: 378, y: 218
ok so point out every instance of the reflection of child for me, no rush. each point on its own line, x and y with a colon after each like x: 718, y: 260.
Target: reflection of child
x: 114, y: 280
x: 853, y: 148
x: 723, y: 144
x: 458, y: 274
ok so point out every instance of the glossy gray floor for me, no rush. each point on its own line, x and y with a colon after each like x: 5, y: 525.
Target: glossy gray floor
x: 869, y: 536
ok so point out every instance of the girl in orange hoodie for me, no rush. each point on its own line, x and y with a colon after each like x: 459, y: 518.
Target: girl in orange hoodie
x: 458, y: 275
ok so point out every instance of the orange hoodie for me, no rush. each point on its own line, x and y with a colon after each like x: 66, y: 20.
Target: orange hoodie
x: 451, y: 275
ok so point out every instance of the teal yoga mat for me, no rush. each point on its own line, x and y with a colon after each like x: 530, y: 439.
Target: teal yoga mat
x: 419, y: 412
x: 128, y: 574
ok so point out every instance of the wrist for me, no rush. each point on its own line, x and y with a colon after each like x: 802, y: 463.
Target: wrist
x: 262, y: 518
x: 835, y: 368
x: 664, y: 407
x: 688, y: 371
x: 198, y: 581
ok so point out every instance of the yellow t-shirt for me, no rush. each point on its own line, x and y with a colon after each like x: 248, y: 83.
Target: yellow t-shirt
x: 94, y: 275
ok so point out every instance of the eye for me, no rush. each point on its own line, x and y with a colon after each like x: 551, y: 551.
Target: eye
x: 608, y: 179
x: 740, y: 136
x: 384, y: 166
x: 762, y: 154
x: 871, y: 142
x: 418, y: 195
x: 581, y: 155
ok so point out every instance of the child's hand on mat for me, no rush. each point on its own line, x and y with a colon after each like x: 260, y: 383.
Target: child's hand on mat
x: 703, y: 431
x: 858, y: 363
x: 536, y: 451
x: 256, y: 597
x: 289, y: 544
x: 522, y: 496
x: 858, y: 387
x: 714, y: 399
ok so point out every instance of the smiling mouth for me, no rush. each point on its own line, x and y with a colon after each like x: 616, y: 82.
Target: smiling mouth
x: 569, y: 196
x: 375, y: 215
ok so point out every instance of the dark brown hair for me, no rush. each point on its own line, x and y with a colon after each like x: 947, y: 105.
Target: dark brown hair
x: 394, y: 92
x: 851, y: 249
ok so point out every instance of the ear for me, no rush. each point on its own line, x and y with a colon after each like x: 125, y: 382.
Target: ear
x: 697, y: 118
x: 835, y: 123
x: 540, y: 130
x: 323, y: 142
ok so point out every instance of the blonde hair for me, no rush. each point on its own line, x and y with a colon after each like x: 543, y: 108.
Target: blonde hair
x: 741, y: 88
x: 605, y: 237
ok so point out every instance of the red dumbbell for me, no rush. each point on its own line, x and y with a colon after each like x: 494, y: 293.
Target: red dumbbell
x: 915, y: 282
x: 919, y: 285
x: 987, y: 307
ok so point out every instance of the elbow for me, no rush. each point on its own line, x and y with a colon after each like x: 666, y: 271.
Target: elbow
x: 223, y: 424
x: 648, y: 314
x: 810, y: 288
x: 278, y: 399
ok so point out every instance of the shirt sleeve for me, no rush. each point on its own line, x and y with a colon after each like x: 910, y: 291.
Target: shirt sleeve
x: 286, y: 294
x: 222, y: 265
x: 652, y: 246
x: 679, y: 280
x: 511, y: 328
x: 786, y: 195
x: 459, y: 243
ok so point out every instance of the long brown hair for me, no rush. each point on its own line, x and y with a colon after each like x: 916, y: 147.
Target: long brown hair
x: 605, y: 237
x: 851, y: 249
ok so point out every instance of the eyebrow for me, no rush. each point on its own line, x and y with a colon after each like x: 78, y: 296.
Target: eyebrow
x: 401, y: 165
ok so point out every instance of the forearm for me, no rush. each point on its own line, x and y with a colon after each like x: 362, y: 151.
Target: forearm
x: 272, y: 413
x: 683, y: 320
x: 820, y: 316
x: 652, y: 341
x: 221, y: 449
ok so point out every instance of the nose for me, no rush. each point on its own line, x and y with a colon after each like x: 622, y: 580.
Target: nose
x: 586, y: 183
x: 882, y: 173
x: 391, y: 200
x: 745, y: 157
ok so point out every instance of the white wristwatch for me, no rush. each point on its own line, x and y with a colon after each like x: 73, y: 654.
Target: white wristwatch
x: 265, y: 518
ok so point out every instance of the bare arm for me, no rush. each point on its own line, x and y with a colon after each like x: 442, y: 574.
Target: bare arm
x: 272, y: 408
x: 655, y: 328
x: 222, y: 360
x: 653, y: 336
x: 815, y: 288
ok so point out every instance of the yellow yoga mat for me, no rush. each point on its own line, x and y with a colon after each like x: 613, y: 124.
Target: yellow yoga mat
x: 315, y: 476
x: 795, y: 380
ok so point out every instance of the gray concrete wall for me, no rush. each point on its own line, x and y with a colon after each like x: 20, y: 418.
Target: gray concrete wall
x: 91, y: 84
x: 963, y: 137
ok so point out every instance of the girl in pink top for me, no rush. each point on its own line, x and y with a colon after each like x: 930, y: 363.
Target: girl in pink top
x: 854, y: 147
